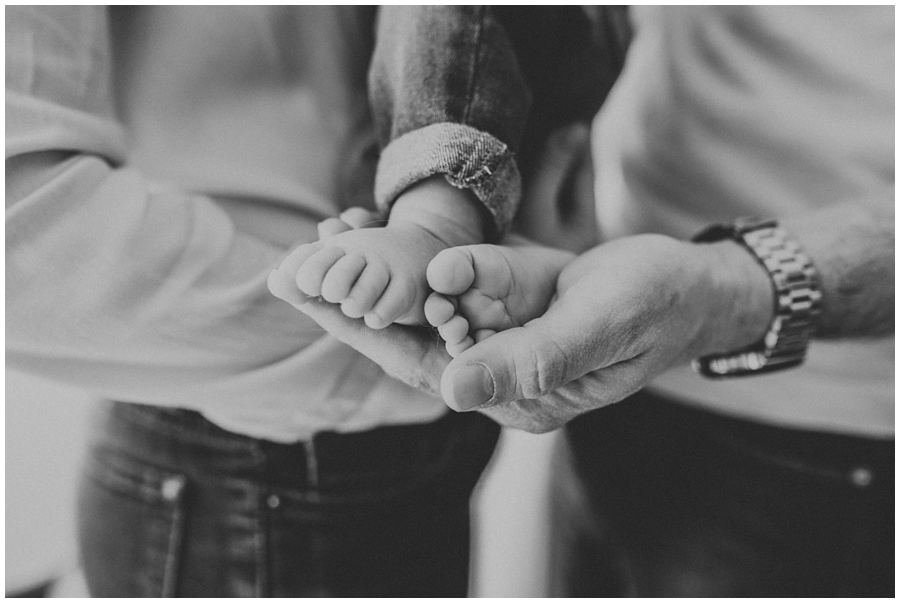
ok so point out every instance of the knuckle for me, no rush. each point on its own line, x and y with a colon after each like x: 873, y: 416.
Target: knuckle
x: 553, y: 367
x: 541, y: 368
x: 526, y: 371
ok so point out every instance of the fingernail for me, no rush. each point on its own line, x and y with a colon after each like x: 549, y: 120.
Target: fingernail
x: 473, y: 385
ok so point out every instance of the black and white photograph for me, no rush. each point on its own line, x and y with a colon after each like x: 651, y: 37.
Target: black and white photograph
x: 356, y: 301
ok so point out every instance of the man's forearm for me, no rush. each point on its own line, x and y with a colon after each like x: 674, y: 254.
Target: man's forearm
x: 852, y: 246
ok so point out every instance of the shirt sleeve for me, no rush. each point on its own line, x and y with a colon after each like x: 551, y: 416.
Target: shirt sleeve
x: 135, y: 291
x: 448, y: 98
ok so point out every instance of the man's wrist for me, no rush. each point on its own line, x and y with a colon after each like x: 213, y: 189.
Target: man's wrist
x: 794, y: 282
x: 453, y: 215
x: 740, y: 300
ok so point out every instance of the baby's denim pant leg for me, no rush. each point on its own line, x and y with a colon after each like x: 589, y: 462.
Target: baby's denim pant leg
x: 171, y: 505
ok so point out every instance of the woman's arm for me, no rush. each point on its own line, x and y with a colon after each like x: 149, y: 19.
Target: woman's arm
x: 113, y: 283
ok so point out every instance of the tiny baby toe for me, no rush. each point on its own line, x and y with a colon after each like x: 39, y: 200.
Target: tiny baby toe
x: 291, y: 264
x: 367, y: 290
x: 397, y: 300
x: 350, y: 308
x: 374, y: 321
x: 341, y: 277
x: 482, y: 311
x: 455, y: 349
x: 313, y: 270
x: 438, y: 309
x: 451, y: 271
x: 454, y: 330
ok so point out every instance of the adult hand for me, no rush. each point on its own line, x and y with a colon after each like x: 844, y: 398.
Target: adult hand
x: 626, y: 311
x: 414, y: 355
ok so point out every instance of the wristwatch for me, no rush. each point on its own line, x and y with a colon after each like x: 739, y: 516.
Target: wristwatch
x: 798, y: 296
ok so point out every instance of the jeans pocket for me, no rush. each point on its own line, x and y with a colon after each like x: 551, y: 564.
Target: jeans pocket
x: 131, y: 527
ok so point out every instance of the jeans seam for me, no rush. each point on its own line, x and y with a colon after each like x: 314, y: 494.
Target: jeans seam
x: 312, y: 467
x: 261, y: 536
x: 262, y: 580
x: 173, y: 556
x: 128, y: 483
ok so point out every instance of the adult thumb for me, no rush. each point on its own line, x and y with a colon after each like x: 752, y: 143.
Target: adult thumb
x: 524, y: 362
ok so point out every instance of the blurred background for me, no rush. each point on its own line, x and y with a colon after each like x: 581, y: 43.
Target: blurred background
x: 46, y: 435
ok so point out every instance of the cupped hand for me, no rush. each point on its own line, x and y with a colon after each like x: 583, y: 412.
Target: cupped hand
x: 626, y: 311
x: 414, y: 355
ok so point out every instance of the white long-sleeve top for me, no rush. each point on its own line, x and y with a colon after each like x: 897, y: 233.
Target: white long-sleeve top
x: 159, y: 163
x: 729, y: 112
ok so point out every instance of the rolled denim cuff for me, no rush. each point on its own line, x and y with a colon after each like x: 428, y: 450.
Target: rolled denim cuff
x: 468, y: 158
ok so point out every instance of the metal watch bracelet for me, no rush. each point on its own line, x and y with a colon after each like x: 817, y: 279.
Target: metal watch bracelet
x: 798, y: 295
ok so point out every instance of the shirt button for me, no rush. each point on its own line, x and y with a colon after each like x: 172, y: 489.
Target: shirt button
x: 171, y: 488
x: 273, y: 501
x: 861, y: 477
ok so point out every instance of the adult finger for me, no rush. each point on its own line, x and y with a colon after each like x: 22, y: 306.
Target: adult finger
x: 296, y: 258
x: 524, y: 362
x: 409, y: 354
x: 591, y: 391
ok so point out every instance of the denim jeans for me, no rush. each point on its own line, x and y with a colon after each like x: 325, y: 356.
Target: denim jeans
x: 172, y: 505
x: 684, y: 502
x: 473, y: 92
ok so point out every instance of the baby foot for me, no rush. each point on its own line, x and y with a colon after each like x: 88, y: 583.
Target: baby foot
x: 377, y: 274
x: 483, y: 289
